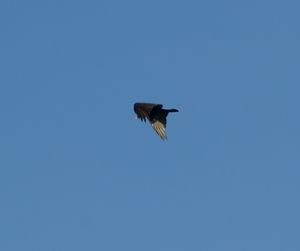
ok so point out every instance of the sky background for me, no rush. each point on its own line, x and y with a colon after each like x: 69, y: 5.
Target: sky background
x: 79, y: 172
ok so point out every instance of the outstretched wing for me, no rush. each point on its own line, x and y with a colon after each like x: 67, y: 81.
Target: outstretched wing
x: 160, y: 129
x: 143, y: 110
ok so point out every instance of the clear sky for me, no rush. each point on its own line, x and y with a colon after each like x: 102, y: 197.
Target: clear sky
x: 79, y: 172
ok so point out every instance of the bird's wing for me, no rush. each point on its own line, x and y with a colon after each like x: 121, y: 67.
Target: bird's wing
x: 160, y: 129
x: 143, y: 109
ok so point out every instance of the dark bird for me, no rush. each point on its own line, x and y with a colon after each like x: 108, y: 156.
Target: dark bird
x: 156, y: 115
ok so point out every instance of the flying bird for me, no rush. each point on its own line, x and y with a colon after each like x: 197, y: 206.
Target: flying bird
x: 156, y: 115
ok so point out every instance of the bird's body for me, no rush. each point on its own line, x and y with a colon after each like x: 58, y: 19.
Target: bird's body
x: 156, y: 115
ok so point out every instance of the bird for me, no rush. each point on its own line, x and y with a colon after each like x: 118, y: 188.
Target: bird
x: 156, y: 115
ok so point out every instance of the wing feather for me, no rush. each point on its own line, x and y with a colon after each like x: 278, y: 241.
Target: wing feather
x: 160, y: 129
x: 143, y: 110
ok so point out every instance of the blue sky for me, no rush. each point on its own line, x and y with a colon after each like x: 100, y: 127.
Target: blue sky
x: 78, y: 172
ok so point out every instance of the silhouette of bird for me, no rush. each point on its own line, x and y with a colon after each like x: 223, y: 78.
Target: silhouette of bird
x: 156, y: 115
